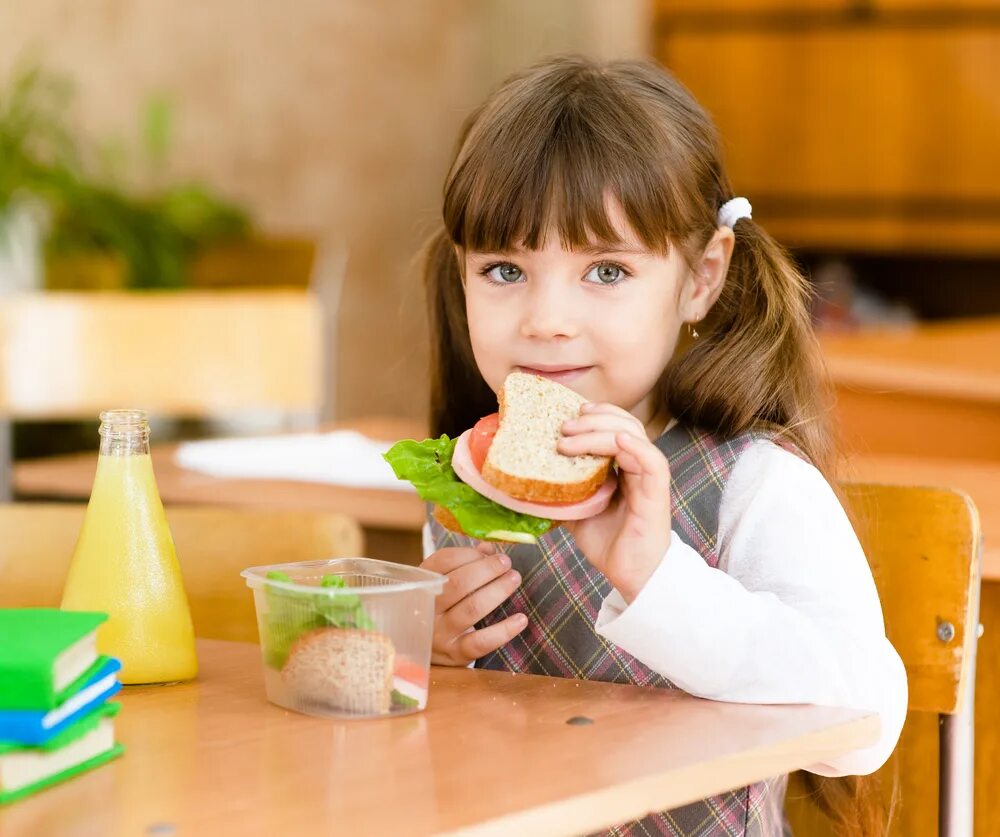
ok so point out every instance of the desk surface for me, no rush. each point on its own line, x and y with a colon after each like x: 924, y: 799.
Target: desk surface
x: 73, y: 476
x: 958, y: 359
x: 492, y: 754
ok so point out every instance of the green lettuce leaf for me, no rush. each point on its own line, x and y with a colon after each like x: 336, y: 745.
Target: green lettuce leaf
x: 401, y: 701
x: 427, y: 465
x: 290, y: 613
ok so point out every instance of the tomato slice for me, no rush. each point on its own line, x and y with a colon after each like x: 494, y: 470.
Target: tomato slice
x: 408, y: 670
x: 481, y: 438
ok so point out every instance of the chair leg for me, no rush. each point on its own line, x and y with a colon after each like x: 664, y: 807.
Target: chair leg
x: 957, y: 762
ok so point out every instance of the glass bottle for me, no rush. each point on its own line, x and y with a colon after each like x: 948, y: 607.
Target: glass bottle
x: 125, y: 564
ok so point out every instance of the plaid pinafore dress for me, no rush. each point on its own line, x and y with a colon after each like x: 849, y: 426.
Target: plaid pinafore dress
x: 561, y: 594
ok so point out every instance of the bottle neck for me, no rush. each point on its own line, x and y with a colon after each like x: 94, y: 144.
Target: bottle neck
x: 124, y: 433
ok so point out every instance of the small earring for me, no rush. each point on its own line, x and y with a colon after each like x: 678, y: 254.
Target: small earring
x: 692, y: 331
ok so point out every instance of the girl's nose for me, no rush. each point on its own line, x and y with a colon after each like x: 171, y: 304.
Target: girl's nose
x: 548, y: 323
x: 548, y: 315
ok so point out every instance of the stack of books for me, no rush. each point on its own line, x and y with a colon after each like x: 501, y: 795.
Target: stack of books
x: 55, y: 718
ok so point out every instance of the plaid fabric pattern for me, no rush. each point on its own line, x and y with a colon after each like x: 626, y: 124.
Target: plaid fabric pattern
x: 561, y: 593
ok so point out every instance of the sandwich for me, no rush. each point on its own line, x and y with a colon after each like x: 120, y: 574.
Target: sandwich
x: 504, y: 479
x: 342, y: 668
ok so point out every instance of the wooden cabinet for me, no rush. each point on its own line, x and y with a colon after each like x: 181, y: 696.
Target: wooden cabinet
x: 852, y: 126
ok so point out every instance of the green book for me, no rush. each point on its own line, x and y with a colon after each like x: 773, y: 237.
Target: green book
x: 86, y: 744
x: 43, y: 653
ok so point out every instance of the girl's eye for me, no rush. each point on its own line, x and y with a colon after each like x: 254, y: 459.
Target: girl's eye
x: 607, y: 274
x: 504, y: 274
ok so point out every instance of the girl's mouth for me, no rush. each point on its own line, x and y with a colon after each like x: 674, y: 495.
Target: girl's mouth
x: 560, y: 374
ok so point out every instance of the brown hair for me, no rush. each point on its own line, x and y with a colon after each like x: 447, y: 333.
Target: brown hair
x: 543, y: 153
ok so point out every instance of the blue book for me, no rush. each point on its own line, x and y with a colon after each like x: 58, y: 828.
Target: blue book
x: 37, y: 726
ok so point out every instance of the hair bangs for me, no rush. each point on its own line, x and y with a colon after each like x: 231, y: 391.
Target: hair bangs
x: 570, y: 170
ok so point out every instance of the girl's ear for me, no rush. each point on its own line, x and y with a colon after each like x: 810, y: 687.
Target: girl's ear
x: 706, y: 279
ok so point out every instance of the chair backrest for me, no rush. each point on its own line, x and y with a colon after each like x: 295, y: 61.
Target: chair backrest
x: 213, y: 544
x: 924, y: 548
x: 183, y: 353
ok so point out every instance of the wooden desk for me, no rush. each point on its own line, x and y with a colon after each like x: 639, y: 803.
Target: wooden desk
x: 491, y: 755
x: 930, y: 391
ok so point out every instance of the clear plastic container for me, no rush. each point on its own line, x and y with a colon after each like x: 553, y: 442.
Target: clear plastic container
x: 346, y: 637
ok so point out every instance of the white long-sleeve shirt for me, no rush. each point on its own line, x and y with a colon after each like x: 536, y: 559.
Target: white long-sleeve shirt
x: 791, y: 615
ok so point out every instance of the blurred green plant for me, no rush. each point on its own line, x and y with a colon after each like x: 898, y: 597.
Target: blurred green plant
x: 92, y: 207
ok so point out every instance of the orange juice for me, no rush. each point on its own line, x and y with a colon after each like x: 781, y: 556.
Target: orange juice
x: 125, y: 564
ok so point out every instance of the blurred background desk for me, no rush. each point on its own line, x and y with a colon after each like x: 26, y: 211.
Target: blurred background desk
x: 921, y: 406
x: 390, y: 520
x: 930, y: 392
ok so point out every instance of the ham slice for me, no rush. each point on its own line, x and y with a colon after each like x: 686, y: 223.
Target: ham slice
x: 468, y: 473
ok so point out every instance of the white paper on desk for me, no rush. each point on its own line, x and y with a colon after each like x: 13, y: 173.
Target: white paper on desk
x: 341, y: 457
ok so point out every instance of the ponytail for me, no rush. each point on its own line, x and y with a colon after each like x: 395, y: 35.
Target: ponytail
x: 758, y: 362
x: 459, y: 395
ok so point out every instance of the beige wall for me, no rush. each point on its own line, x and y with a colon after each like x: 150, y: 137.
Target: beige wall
x: 334, y: 119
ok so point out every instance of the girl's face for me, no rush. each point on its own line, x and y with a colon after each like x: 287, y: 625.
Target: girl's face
x: 603, y: 322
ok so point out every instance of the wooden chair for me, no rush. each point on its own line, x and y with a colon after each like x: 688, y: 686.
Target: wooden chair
x: 213, y: 544
x: 174, y: 354
x: 924, y: 546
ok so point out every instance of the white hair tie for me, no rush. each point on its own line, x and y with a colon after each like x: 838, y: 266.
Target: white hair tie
x: 732, y: 210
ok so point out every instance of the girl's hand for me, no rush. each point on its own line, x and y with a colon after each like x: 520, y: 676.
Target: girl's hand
x: 627, y: 540
x: 479, y: 580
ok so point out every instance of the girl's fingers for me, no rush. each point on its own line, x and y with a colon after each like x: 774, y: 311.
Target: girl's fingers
x: 479, y: 603
x: 649, y: 487
x: 596, y: 443
x: 593, y: 422
x: 476, y: 644
x: 451, y: 558
x: 468, y: 578
x: 627, y: 462
x: 641, y: 465
x: 596, y: 407
x: 645, y: 454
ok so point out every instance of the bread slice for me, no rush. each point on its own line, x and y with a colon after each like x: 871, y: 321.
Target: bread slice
x: 342, y: 668
x: 523, y: 460
x: 447, y: 519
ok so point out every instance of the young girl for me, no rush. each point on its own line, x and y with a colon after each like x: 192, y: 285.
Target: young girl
x: 588, y: 224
